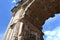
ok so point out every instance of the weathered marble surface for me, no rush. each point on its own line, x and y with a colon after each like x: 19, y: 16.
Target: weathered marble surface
x: 40, y: 11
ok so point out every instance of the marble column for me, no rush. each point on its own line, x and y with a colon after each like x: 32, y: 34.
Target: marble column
x: 15, y: 32
x: 20, y: 31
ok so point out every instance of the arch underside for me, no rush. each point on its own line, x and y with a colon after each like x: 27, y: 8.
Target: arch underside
x: 40, y: 11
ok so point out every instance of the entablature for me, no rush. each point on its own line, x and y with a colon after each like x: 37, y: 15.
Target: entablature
x: 21, y: 4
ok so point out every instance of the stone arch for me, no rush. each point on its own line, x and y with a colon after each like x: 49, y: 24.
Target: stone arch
x: 40, y: 11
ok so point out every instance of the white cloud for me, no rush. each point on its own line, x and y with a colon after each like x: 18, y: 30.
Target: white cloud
x: 53, y: 35
x: 14, y: 1
x: 50, y: 33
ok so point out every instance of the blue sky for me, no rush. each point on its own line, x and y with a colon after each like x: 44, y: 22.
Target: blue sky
x: 51, y: 28
x: 5, y: 14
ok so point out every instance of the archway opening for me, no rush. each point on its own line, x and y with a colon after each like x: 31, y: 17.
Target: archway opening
x: 51, y: 28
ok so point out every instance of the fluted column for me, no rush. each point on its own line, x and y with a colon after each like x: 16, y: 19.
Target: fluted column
x: 11, y: 34
x: 20, y: 31
x: 15, y: 32
x: 8, y: 34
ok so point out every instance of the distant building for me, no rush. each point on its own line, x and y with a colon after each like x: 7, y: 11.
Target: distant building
x: 28, y: 16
